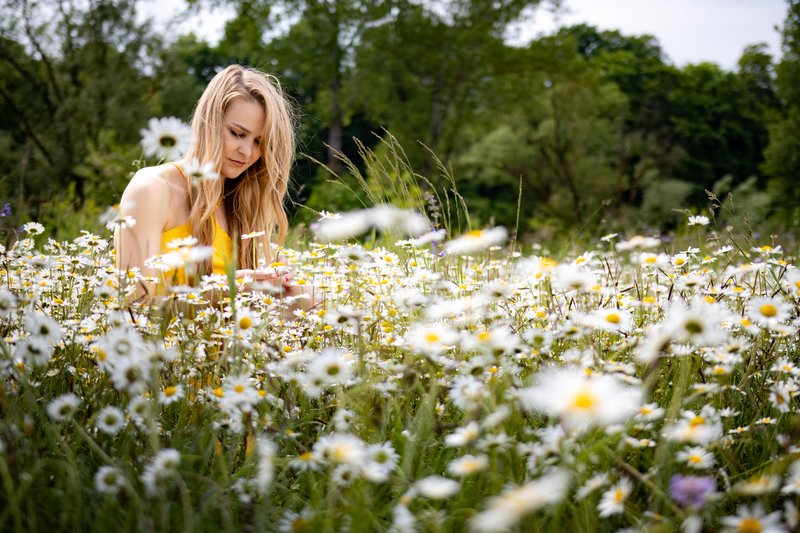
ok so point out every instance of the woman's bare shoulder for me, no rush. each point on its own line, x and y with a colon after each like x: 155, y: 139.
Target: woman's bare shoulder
x: 156, y: 180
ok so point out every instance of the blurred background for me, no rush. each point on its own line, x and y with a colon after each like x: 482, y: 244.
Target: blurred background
x: 539, y: 121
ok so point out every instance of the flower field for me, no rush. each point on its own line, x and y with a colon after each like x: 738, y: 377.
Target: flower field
x: 438, y: 385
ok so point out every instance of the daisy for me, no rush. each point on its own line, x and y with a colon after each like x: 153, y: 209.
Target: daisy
x: 613, y: 500
x: 63, y: 407
x: 32, y: 228
x: 476, y: 241
x: 698, y: 220
x: 165, y: 138
x: 170, y: 394
x: 753, y: 519
x: 437, y: 487
x: 430, y: 339
x: 341, y: 448
x: 696, y: 457
x: 579, y: 401
x: 468, y: 464
x: 792, y: 483
x: 109, y: 480
x: 464, y: 435
x: 110, y: 420
x: 199, y: 173
x: 514, y: 503
x: 768, y: 311
x: 332, y: 366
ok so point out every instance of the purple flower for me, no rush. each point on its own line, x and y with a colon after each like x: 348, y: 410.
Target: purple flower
x: 6, y: 210
x: 692, y: 491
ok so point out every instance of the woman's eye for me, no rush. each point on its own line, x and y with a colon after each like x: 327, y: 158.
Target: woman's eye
x: 236, y: 134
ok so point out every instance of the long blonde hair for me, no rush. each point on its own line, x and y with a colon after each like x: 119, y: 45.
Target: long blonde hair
x: 254, y: 200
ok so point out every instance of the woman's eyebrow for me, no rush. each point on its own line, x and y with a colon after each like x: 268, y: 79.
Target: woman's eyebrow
x: 240, y: 127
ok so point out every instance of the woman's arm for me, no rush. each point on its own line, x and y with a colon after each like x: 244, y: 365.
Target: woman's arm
x: 146, y: 200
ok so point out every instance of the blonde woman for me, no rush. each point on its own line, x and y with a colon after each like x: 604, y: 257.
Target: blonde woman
x: 243, y: 131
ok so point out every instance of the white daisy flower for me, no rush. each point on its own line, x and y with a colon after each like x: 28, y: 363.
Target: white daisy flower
x: 63, y: 407
x: 476, y: 241
x: 109, y: 480
x: 199, y: 173
x: 753, y: 518
x: 437, y: 487
x: 613, y: 500
x: 467, y: 465
x: 166, y: 138
x: 110, y: 420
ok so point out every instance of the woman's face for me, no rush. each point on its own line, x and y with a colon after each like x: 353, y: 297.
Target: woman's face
x: 243, y: 123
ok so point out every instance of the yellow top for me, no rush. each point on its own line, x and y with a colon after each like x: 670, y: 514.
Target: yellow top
x: 220, y: 259
x: 222, y: 245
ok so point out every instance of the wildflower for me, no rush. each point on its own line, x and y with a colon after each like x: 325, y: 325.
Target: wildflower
x: 430, y: 237
x: 163, y: 466
x: 44, y: 327
x: 692, y: 491
x: 8, y: 303
x: 613, y: 500
x: 63, y: 407
x: 32, y: 228
x: 476, y: 241
x: 513, y: 504
x: 199, y: 173
x: 165, y: 138
x: 341, y: 448
x: 110, y: 420
x: 437, y: 487
x: 246, y: 319
x: 638, y: 242
x: 381, y: 461
x: 580, y: 401
x: 698, y: 220
x: 293, y: 522
x: 611, y: 320
x: 698, y: 324
x: 109, y: 480
x: 753, y: 520
x: 463, y: 436
x: 696, y: 457
x: 403, y: 520
x: 467, y: 392
x: 768, y: 311
x: 468, y: 464
x: 305, y: 462
x: 758, y: 485
x: 430, y: 339
x: 781, y: 394
x: 170, y: 394
x: 332, y: 367
x: 698, y: 428
x: 592, y: 484
x: 34, y: 351
x: 265, y: 451
x: 572, y: 278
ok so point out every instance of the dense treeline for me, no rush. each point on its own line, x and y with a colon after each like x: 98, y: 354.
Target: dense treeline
x: 583, y: 128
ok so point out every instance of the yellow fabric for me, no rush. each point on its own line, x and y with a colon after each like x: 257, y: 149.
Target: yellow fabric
x: 223, y: 249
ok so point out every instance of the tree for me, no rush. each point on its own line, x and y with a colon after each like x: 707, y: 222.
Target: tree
x: 782, y: 155
x: 70, y: 86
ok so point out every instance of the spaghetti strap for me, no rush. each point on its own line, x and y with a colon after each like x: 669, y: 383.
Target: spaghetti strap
x: 180, y: 170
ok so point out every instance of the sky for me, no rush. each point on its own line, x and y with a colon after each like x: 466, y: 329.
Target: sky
x: 689, y: 31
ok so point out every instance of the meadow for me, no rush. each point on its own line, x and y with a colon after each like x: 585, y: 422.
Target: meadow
x: 440, y: 383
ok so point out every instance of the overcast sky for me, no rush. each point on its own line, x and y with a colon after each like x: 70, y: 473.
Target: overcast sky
x: 689, y: 31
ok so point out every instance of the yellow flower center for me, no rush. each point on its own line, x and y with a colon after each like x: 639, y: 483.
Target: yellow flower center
x: 307, y: 456
x: 750, y: 525
x: 679, y: 261
x: 583, y: 400
x: 695, y: 459
x: 768, y: 310
x: 239, y: 388
x: 218, y: 392
x: 474, y: 233
x: 432, y: 337
x: 619, y: 495
x: 697, y: 421
x: 484, y: 336
x: 170, y: 391
x: 613, y: 318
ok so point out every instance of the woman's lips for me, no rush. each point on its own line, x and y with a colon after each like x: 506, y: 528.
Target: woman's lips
x: 236, y: 162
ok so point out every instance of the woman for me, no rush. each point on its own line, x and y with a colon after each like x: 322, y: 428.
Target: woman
x: 243, y: 127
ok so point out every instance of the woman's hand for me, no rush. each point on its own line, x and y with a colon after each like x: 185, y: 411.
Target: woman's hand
x: 269, y: 279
